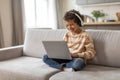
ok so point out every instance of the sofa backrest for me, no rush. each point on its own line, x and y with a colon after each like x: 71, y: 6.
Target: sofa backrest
x: 107, y: 46
x: 33, y: 40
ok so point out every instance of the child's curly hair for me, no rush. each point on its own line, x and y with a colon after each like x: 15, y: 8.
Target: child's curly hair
x: 74, y: 15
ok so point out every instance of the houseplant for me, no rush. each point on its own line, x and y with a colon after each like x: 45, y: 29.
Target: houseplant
x: 97, y: 14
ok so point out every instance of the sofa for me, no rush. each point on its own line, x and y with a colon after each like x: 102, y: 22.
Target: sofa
x: 25, y: 62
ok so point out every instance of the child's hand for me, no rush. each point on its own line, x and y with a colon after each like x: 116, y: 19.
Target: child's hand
x: 75, y: 55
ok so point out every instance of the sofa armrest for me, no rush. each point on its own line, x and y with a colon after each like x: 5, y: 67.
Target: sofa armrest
x: 11, y: 52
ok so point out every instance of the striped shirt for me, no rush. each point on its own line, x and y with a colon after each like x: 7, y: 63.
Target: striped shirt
x: 81, y: 43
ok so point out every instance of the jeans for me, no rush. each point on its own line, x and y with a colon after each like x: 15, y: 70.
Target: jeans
x: 76, y: 63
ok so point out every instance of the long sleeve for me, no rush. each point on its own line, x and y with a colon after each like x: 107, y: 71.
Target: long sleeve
x: 89, y: 48
x: 65, y: 37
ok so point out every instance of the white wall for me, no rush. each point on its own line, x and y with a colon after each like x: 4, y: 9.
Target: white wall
x: 110, y: 10
x: 6, y: 21
x: 65, y: 6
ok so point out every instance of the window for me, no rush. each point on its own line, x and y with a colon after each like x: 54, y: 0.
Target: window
x: 36, y: 13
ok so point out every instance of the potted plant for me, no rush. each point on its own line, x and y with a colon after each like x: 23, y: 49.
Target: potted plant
x: 97, y: 14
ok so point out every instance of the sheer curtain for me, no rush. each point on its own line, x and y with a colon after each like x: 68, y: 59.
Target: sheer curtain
x: 41, y: 13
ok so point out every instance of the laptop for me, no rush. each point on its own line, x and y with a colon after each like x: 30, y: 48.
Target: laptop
x: 57, y: 49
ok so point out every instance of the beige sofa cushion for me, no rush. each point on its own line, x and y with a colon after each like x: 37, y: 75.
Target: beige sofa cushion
x: 107, y: 46
x: 33, y: 41
x: 91, y: 72
x: 25, y: 68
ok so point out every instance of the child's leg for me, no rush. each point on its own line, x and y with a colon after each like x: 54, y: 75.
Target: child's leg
x: 76, y: 63
x: 52, y: 62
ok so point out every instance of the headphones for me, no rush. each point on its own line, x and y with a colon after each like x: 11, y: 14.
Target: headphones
x: 78, y: 17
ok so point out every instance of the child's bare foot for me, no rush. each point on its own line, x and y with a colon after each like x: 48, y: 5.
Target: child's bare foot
x: 69, y: 69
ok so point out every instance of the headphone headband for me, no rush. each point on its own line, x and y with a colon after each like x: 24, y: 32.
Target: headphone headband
x: 78, y: 17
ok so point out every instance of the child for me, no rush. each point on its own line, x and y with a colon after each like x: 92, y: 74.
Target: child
x: 79, y: 43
